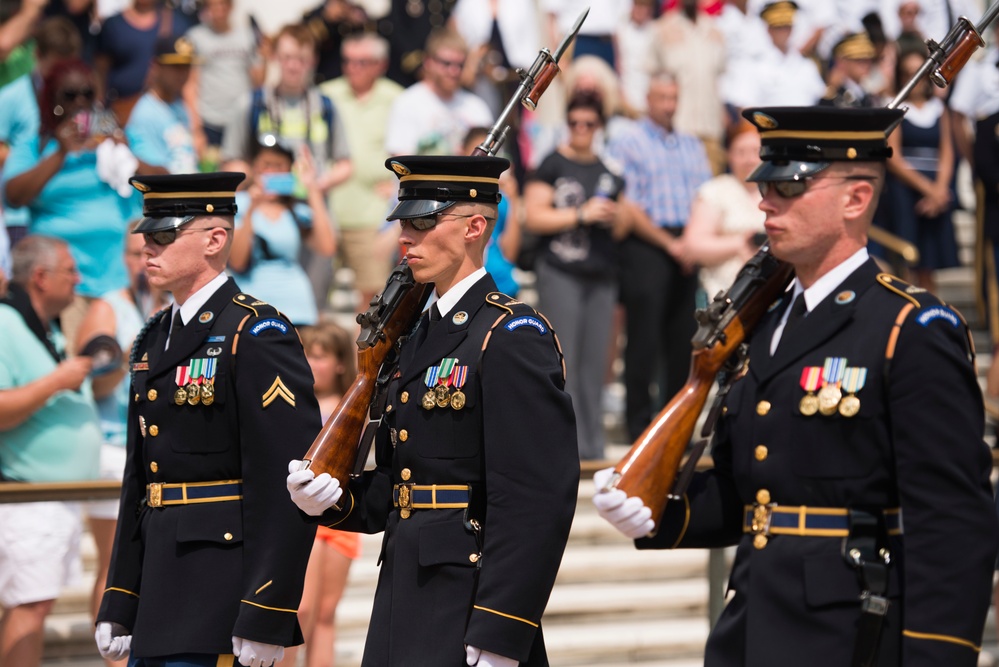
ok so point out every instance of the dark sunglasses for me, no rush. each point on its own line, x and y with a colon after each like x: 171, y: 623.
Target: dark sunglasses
x: 792, y: 189
x: 588, y: 124
x: 430, y: 221
x: 69, y: 94
x: 168, y: 236
x: 452, y: 64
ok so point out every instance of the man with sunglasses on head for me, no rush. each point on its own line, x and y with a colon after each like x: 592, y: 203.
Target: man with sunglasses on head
x: 849, y: 462
x: 476, y: 460
x: 209, y: 557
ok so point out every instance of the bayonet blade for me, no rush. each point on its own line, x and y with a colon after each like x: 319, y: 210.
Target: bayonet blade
x: 567, y: 40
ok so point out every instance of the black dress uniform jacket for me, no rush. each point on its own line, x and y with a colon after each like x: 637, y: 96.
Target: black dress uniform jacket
x: 442, y: 583
x: 186, y: 578
x: 916, y: 443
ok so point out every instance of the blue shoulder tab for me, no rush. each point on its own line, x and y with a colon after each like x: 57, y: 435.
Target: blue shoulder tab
x: 270, y: 323
x: 527, y: 321
x: 931, y: 313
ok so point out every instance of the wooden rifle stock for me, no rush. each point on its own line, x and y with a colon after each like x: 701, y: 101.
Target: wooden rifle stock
x: 650, y: 467
x: 391, y: 315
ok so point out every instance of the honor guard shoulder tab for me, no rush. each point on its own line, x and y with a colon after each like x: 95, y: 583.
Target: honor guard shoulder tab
x: 924, y: 307
x: 265, y: 318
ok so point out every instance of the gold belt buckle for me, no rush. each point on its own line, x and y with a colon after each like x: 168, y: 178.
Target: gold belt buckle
x: 760, y: 526
x: 405, y: 500
x: 154, y: 494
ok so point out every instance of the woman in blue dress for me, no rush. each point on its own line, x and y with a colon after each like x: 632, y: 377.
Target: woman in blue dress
x: 922, y: 168
x: 271, y: 226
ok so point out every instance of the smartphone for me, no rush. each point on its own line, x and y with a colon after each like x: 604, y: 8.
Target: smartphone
x: 279, y: 183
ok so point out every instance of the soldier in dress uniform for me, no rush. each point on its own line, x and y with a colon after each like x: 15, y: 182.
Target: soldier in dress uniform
x: 850, y: 467
x: 852, y: 59
x: 477, y: 466
x: 210, y: 555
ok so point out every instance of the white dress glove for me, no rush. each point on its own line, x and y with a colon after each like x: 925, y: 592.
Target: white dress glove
x: 313, y: 495
x: 256, y: 654
x: 113, y: 640
x: 476, y: 656
x: 628, y: 515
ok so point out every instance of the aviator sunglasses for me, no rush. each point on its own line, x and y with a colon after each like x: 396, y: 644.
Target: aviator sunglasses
x: 430, y: 221
x: 792, y: 189
x: 168, y: 236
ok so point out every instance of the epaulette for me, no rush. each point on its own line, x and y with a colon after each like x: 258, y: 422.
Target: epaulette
x: 256, y: 305
x: 504, y: 301
x: 134, y: 353
x: 903, y: 289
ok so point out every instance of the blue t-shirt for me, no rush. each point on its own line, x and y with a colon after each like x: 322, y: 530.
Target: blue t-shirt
x: 79, y: 208
x: 62, y: 440
x: 496, y: 264
x: 18, y: 123
x: 131, y: 51
x: 160, y: 134
x: 275, y: 275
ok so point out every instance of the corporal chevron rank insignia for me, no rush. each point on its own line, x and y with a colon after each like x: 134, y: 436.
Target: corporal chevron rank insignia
x: 278, y: 389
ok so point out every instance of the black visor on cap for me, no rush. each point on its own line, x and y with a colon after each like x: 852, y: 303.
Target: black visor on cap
x: 148, y: 225
x: 786, y: 171
x: 418, y: 208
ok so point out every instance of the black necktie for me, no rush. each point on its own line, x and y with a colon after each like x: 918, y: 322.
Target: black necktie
x: 435, y: 314
x: 798, y: 312
x: 175, y: 327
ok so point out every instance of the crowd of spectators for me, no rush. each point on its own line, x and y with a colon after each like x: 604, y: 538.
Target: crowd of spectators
x: 631, y: 169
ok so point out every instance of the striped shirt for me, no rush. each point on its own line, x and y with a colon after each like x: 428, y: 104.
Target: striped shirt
x: 663, y: 170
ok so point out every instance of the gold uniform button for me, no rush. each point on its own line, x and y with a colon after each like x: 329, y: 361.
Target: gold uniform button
x: 762, y: 408
x: 759, y: 541
x: 761, y: 452
x: 388, y: 408
x: 151, y: 394
x: 404, y: 397
x: 154, y: 466
x: 763, y: 497
x: 403, y: 435
x: 406, y: 473
x: 136, y: 398
x: 473, y: 558
x: 227, y: 537
x: 154, y: 430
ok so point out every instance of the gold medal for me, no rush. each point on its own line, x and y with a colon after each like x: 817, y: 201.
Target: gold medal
x: 429, y: 400
x: 829, y: 397
x: 458, y: 399
x: 849, y: 406
x: 809, y: 405
x: 180, y: 396
x: 193, y: 394
x: 207, y: 394
x: 443, y: 395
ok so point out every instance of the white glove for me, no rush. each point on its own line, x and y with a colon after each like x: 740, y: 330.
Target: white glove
x: 313, y: 495
x: 113, y: 640
x: 628, y: 515
x: 476, y: 656
x: 256, y: 654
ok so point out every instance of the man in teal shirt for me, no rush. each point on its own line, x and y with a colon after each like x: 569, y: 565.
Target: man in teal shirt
x: 49, y: 431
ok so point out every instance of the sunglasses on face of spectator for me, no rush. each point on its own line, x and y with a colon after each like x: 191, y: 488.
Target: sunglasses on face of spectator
x: 792, y: 189
x: 586, y: 124
x: 449, y: 64
x: 70, y: 94
x: 168, y: 236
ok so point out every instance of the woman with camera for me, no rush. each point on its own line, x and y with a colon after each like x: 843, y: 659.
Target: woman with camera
x: 572, y: 202
x: 74, y: 179
x: 271, y: 225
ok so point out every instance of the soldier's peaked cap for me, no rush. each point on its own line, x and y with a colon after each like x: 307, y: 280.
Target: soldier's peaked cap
x: 797, y: 142
x: 430, y: 184
x: 169, y: 201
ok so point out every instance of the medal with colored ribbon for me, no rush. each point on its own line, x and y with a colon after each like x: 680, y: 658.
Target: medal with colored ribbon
x: 811, y: 378
x: 443, y: 390
x: 853, y: 381
x: 458, y: 377
x: 830, y: 394
x: 207, y: 380
x: 194, y: 386
x: 430, y: 379
x: 182, y: 378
